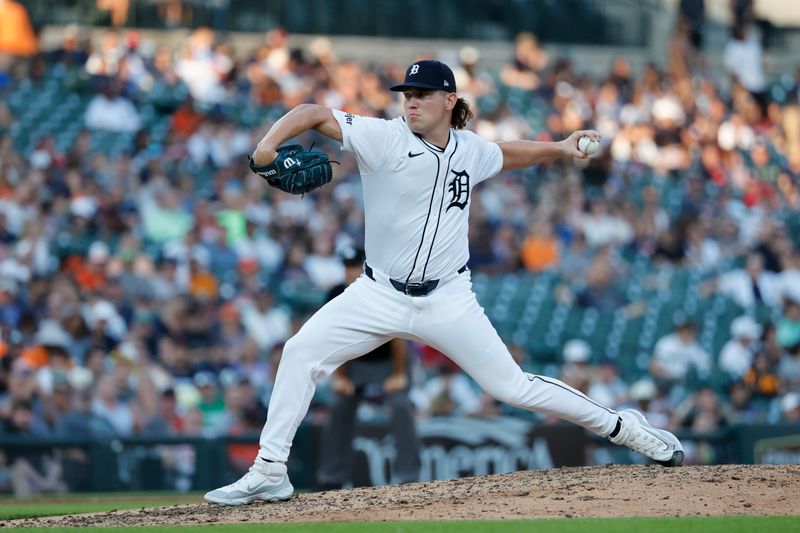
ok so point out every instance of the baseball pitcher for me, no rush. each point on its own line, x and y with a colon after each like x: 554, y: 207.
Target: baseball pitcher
x: 418, y: 173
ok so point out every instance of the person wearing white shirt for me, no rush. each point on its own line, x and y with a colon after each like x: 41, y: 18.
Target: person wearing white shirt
x: 324, y: 268
x: 107, y: 405
x: 744, y: 59
x: 449, y: 393
x: 736, y: 356
x: 111, y: 112
x: 265, y: 324
x: 606, y: 386
x: 677, y: 353
x: 751, y: 285
x: 601, y: 227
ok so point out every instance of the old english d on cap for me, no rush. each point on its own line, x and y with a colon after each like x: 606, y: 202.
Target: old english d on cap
x: 428, y: 74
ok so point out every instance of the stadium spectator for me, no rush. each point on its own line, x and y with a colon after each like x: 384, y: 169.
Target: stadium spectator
x: 790, y: 407
x: 17, y: 37
x: 381, y: 377
x: 104, y: 62
x: 575, y: 370
x: 691, y: 13
x: 108, y: 405
x: 762, y: 378
x: 447, y: 393
x: 601, y: 290
x: 678, y: 353
x: 268, y: 325
x: 788, y: 327
x: 111, y: 111
x: 737, y: 354
x: 750, y: 286
x: 606, y: 386
x: 540, y: 248
x: 703, y: 412
x: 212, y: 403
x: 645, y: 396
x: 529, y: 60
x: 200, y: 70
x: 743, y: 57
x: 789, y: 368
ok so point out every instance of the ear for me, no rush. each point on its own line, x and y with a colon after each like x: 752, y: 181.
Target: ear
x: 451, y: 100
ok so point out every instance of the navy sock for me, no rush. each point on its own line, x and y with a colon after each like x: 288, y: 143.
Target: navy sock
x: 616, y: 429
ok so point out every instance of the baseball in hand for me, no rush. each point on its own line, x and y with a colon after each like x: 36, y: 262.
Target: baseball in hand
x: 588, y: 146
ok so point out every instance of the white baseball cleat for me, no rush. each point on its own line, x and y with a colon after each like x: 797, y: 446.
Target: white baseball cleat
x: 263, y: 482
x: 637, y: 434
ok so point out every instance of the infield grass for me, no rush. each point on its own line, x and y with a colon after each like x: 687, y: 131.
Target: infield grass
x: 11, y: 508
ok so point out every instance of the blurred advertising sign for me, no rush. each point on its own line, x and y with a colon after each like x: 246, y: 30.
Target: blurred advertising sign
x: 459, y: 447
x: 766, y: 444
x: 778, y: 450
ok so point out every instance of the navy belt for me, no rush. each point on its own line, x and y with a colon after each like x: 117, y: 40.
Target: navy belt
x: 411, y: 289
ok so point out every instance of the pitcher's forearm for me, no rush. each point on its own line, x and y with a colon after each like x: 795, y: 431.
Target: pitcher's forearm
x: 293, y: 123
x: 524, y: 154
x: 300, y: 119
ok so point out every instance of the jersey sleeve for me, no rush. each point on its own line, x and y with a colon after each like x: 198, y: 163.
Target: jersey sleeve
x: 490, y: 158
x: 368, y: 138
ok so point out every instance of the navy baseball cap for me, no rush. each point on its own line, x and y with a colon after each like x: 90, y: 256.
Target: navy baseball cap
x: 428, y: 74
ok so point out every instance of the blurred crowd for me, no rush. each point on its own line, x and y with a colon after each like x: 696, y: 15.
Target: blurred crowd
x: 134, y: 301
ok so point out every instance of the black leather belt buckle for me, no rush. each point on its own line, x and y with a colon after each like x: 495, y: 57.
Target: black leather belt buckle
x: 420, y: 289
x: 411, y: 289
x: 416, y: 289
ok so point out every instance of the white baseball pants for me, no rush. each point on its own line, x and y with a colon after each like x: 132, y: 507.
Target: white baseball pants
x: 449, y: 319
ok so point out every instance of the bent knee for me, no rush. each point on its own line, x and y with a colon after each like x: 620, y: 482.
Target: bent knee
x: 512, y: 392
x: 302, y: 355
x: 299, y: 347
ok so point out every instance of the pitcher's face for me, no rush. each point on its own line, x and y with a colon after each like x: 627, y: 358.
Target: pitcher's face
x: 426, y: 109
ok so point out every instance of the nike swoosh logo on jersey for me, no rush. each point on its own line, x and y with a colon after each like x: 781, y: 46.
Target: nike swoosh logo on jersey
x: 414, y: 155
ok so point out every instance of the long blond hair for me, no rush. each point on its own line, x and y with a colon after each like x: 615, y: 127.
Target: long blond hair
x: 461, y: 114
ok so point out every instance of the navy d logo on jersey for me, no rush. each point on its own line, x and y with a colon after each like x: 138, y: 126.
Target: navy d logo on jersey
x: 459, y: 188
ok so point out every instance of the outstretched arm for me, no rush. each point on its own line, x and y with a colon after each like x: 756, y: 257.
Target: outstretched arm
x: 301, y: 118
x: 524, y: 154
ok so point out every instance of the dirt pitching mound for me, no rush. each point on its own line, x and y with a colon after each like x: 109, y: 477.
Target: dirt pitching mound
x: 610, y: 491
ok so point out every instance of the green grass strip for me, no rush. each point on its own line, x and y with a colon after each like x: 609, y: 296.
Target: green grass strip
x: 732, y: 524
x: 57, y: 509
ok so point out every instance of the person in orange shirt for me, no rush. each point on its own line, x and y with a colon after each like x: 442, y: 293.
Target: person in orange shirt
x: 540, y: 249
x: 17, y: 37
x: 186, y: 120
x: 202, y: 283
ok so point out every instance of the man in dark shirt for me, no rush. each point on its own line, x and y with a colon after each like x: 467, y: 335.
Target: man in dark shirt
x: 382, y: 376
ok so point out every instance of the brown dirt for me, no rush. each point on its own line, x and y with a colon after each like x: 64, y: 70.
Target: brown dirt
x: 610, y: 491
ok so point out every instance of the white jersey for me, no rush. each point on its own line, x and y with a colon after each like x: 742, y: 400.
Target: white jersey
x: 416, y: 195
